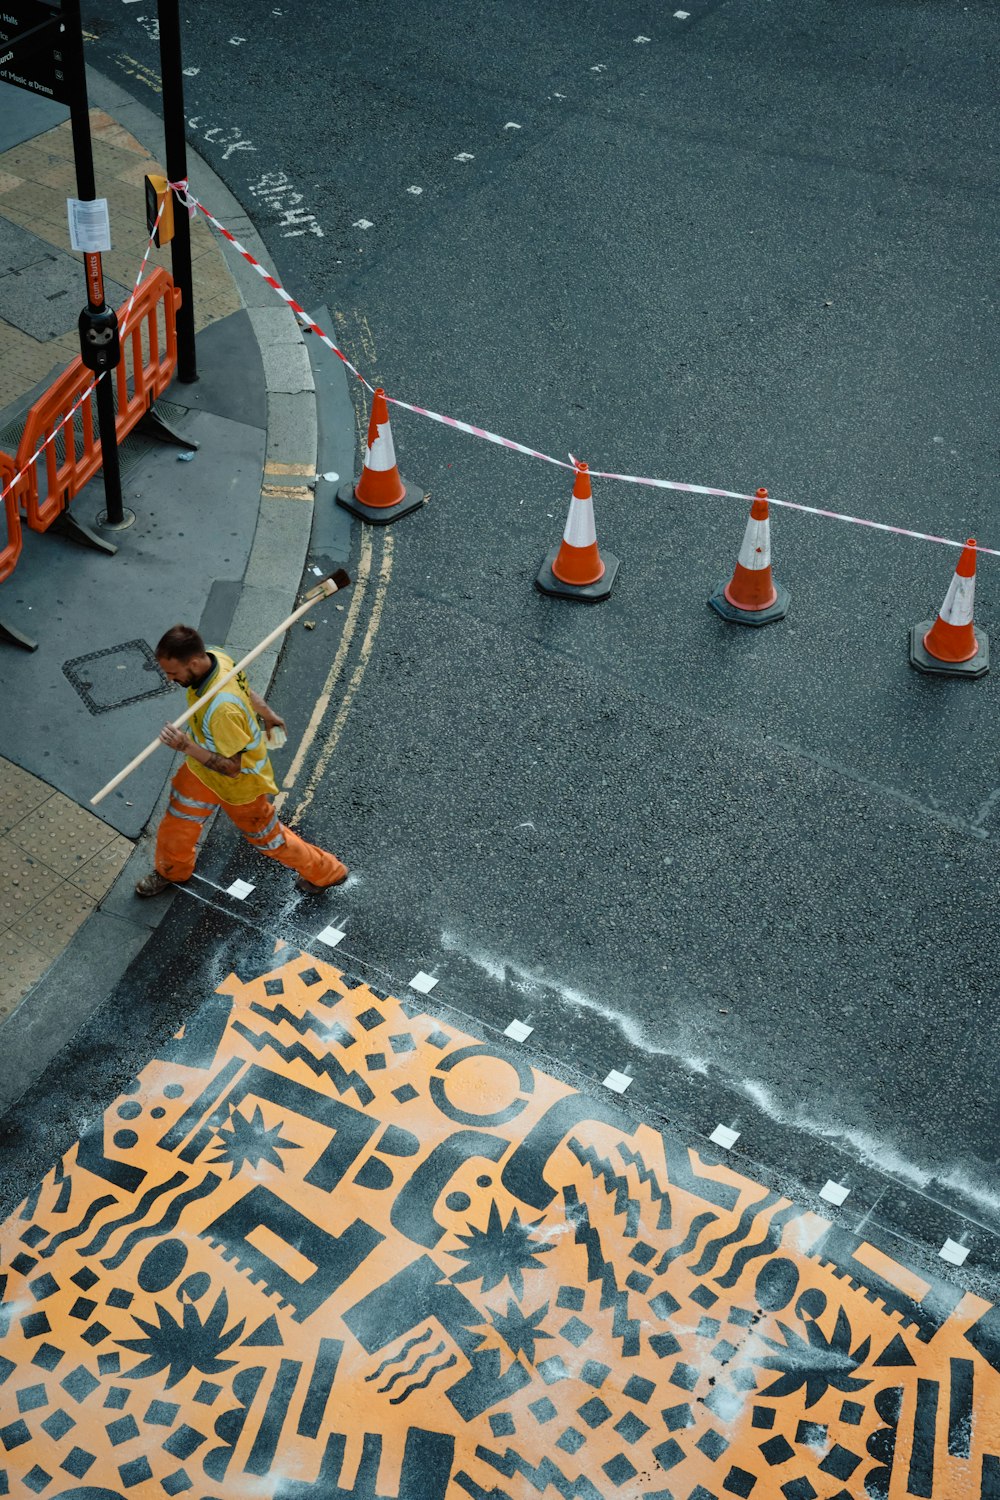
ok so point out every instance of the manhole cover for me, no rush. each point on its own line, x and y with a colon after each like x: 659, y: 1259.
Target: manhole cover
x: 117, y: 675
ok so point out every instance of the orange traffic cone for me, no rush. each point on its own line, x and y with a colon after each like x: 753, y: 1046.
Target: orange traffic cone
x: 576, y: 569
x: 380, y: 495
x: 951, y: 644
x: 751, y: 597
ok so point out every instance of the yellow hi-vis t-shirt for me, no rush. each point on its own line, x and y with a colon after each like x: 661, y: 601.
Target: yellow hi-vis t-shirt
x: 228, y: 724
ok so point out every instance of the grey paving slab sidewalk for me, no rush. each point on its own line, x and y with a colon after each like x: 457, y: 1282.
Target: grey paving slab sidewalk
x: 220, y: 540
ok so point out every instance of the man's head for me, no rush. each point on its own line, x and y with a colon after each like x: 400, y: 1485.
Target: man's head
x: 182, y: 655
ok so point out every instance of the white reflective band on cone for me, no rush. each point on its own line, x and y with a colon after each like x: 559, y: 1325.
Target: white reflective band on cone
x: 381, y: 454
x: 580, y: 529
x: 756, y: 550
x: 958, y: 601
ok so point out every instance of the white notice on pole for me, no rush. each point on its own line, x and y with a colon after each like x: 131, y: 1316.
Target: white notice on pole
x: 89, y: 223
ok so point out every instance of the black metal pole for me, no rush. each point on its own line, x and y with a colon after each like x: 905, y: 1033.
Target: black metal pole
x: 168, y: 12
x: 99, y: 348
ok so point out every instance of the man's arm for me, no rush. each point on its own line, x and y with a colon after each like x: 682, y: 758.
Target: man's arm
x: 225, y: 765
x: 267, y: 715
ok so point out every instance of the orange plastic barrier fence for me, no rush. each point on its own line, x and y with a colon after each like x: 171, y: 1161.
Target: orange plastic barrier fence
x: 139, y: 379
x: 11, y: 549
x: 150, y: 376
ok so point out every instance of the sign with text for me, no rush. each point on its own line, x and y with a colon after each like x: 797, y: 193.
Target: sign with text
x: 31, y: 48
x: 89, y: 223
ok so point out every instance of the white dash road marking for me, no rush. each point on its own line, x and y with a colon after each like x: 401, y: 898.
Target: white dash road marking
x: 643, y: 38
x: 331, y: 936
x: 599, y: 68
x: 191, y: 72
x: 205, y: 881
x: 240, y: 889
x: 681, y: 15
x: 237, y: 41
x: 363, y: 224
x: 953, y: 1253
x: 617, y: 1082
x: 834, y: 1192
x: 512, y: 125
x: 724, y: 1137
x: 464, y: 156
x: 518, y: 1031
x: 422, y: 982
x: 415, y: 190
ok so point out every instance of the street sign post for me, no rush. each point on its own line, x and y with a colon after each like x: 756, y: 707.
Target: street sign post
x: 168, y: 16
x: 31, y: 48
x: 98, y: 324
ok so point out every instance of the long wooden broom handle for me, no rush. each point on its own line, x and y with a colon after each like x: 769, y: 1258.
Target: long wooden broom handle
x: 339, y: 580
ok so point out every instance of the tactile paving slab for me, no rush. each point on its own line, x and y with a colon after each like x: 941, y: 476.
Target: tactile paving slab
x: 328, y: 1245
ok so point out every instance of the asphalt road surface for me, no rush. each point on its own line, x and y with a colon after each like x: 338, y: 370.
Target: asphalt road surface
x: 741, y: 245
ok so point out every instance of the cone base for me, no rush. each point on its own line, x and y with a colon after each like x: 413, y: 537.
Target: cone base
x: 921, y: 658
x: 585, y: 593
x: 380, y: 515
x: 734, y: 616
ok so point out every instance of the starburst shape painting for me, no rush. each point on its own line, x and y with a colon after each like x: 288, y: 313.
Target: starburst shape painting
x: 250, y: 1141
x: 500, y: 1252
x: 519, y: 1331
x: 181, y: 1347
x: 816, y: 1362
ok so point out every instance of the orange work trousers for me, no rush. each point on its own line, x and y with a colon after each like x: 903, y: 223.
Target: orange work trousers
x: 192, y: 803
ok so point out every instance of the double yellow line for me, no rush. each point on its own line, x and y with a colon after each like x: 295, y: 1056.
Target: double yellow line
x: 367, y: 570
x: 322, y: 705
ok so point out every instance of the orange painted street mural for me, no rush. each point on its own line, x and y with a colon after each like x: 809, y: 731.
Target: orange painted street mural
x: 330, y: 1246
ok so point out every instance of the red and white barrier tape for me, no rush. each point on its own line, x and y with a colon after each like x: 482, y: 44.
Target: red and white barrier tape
x: 809, y: 510
x: 94, y: 383
x: 193, y: 204
x: 504, y: 442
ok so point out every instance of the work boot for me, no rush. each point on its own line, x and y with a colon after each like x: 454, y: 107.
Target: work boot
x: 153, y: 884
x: 308, y: 888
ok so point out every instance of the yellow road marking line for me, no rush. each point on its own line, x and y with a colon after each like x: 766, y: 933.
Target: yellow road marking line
x: 286, y: 492
x: 385, y: 573
x: 139, y: 70
x: 275, y: 468
x: 367, y: 340
x: 368, y: 345
x: 323, y: 701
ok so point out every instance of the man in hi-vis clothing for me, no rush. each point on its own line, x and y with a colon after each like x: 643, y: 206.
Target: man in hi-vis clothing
x: 226, y: 766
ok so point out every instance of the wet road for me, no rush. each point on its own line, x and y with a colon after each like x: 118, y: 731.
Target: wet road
x: 752, y: 870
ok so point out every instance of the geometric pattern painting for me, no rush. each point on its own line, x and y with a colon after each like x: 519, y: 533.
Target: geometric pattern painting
x: 327, y: 1245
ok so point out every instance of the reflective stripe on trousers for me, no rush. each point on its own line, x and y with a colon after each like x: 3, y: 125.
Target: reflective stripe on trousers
x: 201, y: 816
x: 177, y: 836
x: 273, y: 843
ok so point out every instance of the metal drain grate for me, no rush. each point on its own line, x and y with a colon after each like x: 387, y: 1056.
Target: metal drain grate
x: 131, y: 449
x: 116, y: 676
